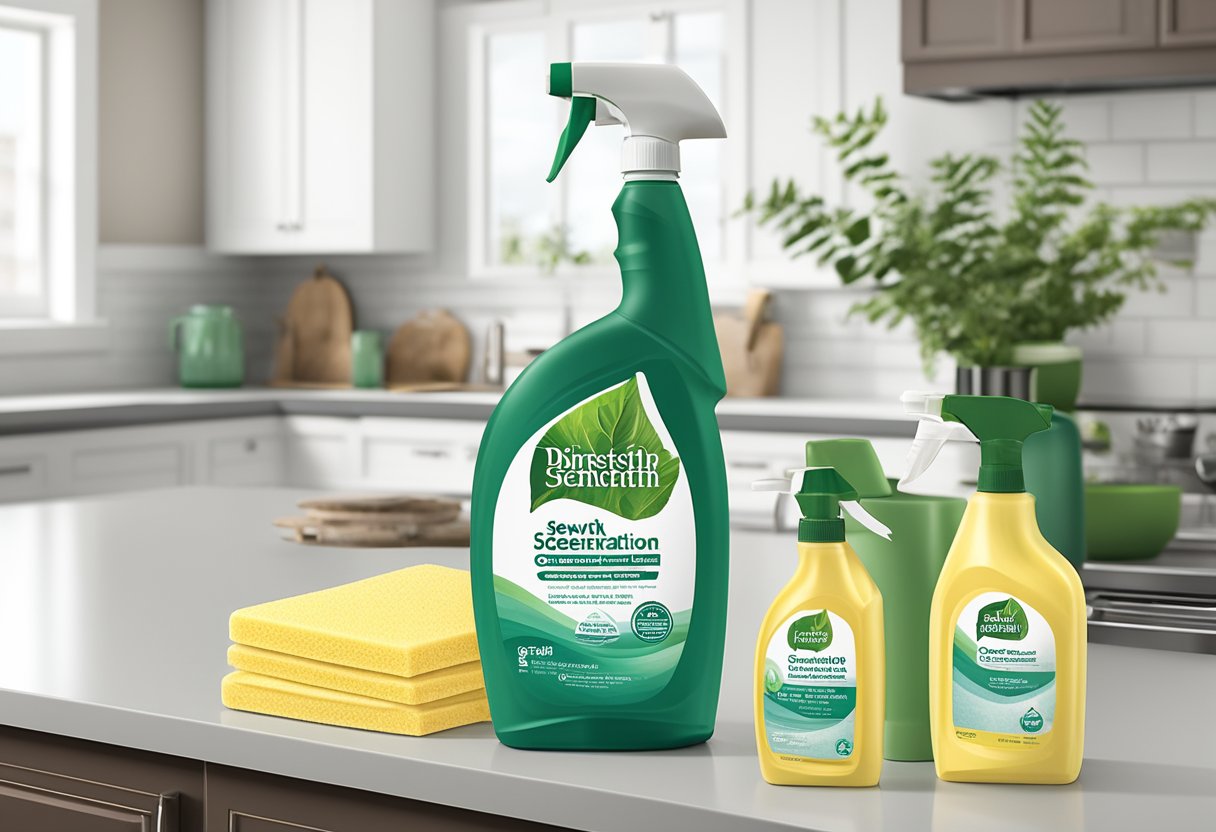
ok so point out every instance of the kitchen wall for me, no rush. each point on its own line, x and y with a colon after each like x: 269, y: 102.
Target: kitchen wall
x: 151, y: 266
x: 1145, y: 147
x: 150, y: 135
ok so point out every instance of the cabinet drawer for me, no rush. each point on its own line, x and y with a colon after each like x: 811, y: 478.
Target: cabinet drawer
x: 127, y: 468
x: 430, y: 466
x: 245, y: 460
x: 22, y: 477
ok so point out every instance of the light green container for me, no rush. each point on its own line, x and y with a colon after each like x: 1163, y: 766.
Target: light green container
x: 906, y: 569
x: 209, y: 347
x: 367, y: 359
x: 1056, y: 372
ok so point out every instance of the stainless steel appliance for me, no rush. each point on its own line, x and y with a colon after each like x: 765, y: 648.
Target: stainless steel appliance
x: 1168, y: 603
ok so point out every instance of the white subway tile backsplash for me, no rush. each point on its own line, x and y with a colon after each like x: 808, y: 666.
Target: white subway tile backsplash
x: 1176, y: 299
x: 1117, y: 338
x: 1205, y: 298
x: 1151, y: 116
x: 1205, y: 113
x: 1121, y: 379
x: 1205, y: 381
x: 1086, y: 118
x: 1132, y: 196
x: 1182, y: 162
x: 1182, y: 338
x: 1116, y: 163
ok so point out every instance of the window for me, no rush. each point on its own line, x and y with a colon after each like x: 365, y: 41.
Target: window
x: 22, y: 283
x: 48, y: 54
x: 521, y: 224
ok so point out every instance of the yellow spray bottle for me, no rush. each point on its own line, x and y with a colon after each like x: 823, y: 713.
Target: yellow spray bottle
x: 819, y: 675
x: 1007, y: 627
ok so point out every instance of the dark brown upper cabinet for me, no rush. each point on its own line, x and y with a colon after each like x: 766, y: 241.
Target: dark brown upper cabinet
x: 1188, y: 23
x: 971, y: 48
x: 1073, y: 26
x: 956, y: 29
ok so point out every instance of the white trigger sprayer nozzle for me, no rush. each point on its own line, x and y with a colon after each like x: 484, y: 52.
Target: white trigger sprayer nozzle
x: 825, y: 482
x: 865, y: 518
x: 932, y: 433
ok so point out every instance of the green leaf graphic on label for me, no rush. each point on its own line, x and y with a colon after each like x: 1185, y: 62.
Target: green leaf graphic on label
x: 607, y: 454
x: 1004, y: 619
x: 772, y: 676
x: 811, y: 632
x: 1032, y: 721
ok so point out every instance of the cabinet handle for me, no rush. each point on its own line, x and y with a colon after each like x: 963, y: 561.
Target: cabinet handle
x: 432, y: 453
x: 289, y: 226
x: 749, y: 464
x: 168, y: 815
x: 17, y: 470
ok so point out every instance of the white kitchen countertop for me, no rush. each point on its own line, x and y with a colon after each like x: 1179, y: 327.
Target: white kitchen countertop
x: 78, y: 411
x: 114, y: 612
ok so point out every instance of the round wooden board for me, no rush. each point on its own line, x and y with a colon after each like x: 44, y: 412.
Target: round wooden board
x: 394, y: 503
x: 432, y: 347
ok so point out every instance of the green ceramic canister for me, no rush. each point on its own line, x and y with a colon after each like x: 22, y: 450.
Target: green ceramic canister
x: 367, y: 359
x: 905, y: 569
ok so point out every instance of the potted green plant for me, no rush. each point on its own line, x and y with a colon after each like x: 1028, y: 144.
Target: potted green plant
x: 992, y: 291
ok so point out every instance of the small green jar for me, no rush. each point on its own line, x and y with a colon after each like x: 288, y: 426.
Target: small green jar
x: 367, y: 359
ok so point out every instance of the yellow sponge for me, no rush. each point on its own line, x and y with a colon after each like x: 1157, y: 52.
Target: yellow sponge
x: 276, y: 697
x: 426, y: 687
x: 403, y: 623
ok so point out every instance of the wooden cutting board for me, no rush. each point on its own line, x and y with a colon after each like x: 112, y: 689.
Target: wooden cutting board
x: 386, y: 521
x: 314, y: 340
x: 752, y: 348
x: 433, y: 347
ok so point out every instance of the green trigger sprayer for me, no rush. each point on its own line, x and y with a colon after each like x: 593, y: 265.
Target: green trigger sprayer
x: 609, y: 440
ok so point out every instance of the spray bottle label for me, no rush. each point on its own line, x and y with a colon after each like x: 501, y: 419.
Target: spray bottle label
x: 1004, y: 689
x: 595, y: 552
x: 810, y: 687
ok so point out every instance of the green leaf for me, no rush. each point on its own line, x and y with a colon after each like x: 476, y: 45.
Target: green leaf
x: 601, y: 432
x: 811, y: 632
x: 1002, y: 619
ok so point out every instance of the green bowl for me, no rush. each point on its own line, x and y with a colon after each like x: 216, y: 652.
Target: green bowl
x: 1130, y: 522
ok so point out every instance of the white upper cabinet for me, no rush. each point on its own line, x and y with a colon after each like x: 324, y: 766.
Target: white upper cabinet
x: 320, y: 126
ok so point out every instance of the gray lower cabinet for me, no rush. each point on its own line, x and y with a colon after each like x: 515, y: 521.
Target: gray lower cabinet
x: 246, y: 801
x: 53, y: 784
x: 50, y: 783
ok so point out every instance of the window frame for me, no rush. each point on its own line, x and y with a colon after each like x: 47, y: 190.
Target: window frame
x: 67, y: 322
x: 557, y: 19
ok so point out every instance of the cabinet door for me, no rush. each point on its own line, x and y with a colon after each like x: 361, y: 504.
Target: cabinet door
x: 946, y: 29
x: 429, y: 456
x: 51, y: 784
x: 245, y: 801
x: 119, y: 463
x: 23, y: 475
x: 335, y: 206
x: 1086, y: 25
x: 1188, y: 23
x: 250, y: 87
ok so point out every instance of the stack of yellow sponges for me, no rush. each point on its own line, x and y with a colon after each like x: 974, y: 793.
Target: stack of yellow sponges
x: 395, y: 653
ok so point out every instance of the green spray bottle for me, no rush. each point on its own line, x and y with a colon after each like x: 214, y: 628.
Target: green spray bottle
x: 599, y: 518
x: 905, y: 568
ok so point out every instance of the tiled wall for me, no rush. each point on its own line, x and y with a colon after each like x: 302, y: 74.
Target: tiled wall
x: 139, y: 290
x: 1143, y: 149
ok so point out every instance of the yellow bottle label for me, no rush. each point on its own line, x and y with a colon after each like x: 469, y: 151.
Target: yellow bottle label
x: 810, y: 687
x: 1004, y: 687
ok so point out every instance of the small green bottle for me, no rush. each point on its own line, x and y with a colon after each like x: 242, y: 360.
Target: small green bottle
x: 905, y: 568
